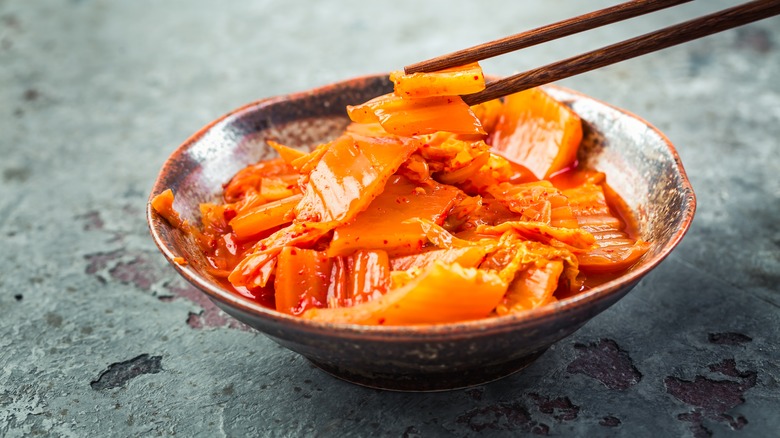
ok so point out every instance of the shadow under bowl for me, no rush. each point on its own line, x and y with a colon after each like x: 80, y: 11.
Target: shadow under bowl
x: 641, y: 165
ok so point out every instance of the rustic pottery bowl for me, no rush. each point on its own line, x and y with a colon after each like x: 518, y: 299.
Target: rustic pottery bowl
x: 641, y: 165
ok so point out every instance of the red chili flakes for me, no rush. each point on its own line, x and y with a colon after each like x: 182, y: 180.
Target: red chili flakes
x: 229, y: 214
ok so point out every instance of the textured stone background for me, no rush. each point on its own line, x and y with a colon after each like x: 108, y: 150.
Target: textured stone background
x: 99, y: 337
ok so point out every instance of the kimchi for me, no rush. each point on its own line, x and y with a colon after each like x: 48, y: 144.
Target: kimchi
x: 423, y: 211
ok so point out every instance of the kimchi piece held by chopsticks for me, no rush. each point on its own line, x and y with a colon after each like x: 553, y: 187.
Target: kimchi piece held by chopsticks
x: 465, y: 79
x: 424, y: 103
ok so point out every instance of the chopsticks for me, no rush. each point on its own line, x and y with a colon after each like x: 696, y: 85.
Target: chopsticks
x: 631, y: 48
x: 567, y: 27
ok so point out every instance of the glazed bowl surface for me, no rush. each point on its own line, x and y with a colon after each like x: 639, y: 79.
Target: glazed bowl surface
x: 641, y: 165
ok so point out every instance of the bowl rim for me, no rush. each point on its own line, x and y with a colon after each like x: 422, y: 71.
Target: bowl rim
x: 491, y: 324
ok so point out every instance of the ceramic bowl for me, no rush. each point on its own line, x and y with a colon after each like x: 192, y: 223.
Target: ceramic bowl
x: 641, y: 164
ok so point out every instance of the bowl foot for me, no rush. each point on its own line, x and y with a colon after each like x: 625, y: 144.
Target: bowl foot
x: 429, y: 381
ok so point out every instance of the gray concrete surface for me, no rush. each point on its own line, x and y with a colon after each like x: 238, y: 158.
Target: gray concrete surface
x: 99, y: 337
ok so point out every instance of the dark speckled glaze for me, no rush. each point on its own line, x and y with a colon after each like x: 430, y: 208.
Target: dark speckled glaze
x: 641, y: 165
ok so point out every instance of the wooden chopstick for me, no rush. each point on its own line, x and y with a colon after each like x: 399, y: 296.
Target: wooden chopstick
x: 631, y: 48
x: 543, y: 34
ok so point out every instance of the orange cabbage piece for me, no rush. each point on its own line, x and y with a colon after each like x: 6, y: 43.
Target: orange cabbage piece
x: 440, y: 294
x: 538, y: 132
x: 464, y: 79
